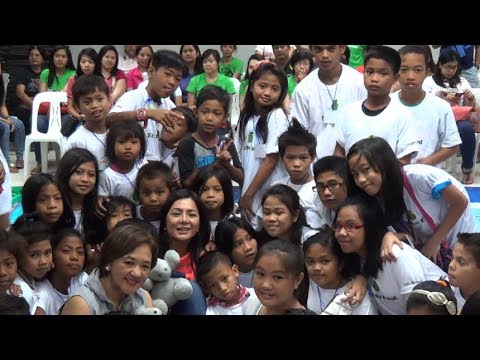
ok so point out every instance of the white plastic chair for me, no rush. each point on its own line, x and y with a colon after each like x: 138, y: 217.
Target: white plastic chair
x: 235, y: 105
x: 53, y: 135
x: 6, y: 80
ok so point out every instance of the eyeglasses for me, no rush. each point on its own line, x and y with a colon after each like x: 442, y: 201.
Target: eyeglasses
x: 450, y: 67
x: 347, y: 227
x: 330, y: 186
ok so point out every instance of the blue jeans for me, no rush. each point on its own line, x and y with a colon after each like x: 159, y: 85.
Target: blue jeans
x: 471, y: 75
x: 467, y: 147
x: 19, y: 136
x: 42, y: 126
x: 194, y: 305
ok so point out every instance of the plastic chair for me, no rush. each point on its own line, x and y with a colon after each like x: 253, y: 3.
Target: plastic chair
x: 235, y: 105
x: 55, y: 98
x: 6, y: 80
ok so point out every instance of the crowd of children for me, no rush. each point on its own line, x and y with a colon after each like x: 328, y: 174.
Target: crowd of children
x: 341, y: 210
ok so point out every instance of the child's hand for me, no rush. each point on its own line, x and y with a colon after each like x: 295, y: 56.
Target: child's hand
x: 15, y: 290
x: 166, y: 118
x: 390, y: 239
x: 221, y: 152
x: 430, y: 249
x: 100, y: 210
x: 356, y: 290
x: 211, y: 246
x: 245, y: 207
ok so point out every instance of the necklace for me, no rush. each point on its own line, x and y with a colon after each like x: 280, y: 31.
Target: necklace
x: 24, y: 278
x: 334, y: 105
x: 96, y: 137
x: 322, y: 308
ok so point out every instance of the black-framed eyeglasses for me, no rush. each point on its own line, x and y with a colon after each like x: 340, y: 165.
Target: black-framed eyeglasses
x: 333, y: 185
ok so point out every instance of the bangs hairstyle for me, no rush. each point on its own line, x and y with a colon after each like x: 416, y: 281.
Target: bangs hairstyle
x: 93, y: 55
x: 249, y: 109
x: 121, y: 131
x: 385, y: 53
x: 122, y: 241
x: 446, y: 56
x: 382, y: 159
x: 31, y: 232
x: 326, y: 238
x: 155, y: 170
x: 69, y: 163
x: 198, y: 68
x: 297, y: 135
x: 88, y: 84
x: 257, y: 57
x: 334, y: 164
x: 206, y: 173
x: 300, y: 55
x: 215, y: 54
x: 189, y: 116
x: 32, y: 188
x: 59, y: 235
x: 213, y: 92
x: 374, y: 226
x: 225, y: 233
x: 168, y: 59
x: 288, y: 197
x: 52, y: 72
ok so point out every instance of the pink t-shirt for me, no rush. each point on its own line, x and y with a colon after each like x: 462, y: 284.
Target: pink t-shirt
x: 111, y: 81
x: 134, y: 78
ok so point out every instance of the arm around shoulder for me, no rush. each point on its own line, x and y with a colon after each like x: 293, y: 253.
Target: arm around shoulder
x: 76, y: 305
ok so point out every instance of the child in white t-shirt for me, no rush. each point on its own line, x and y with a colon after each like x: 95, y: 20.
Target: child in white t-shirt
x: 297, y: 149
x: 218, y: 278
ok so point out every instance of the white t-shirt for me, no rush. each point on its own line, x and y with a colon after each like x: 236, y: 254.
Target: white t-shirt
x: 319, y: 298
x: 52, y: 300
x: 137, y: 99
x: 93, y: 142
x: 308, y: 199
x: 394, y: 283
x: 395, y: 125
x: 429, y: 85
x: 237, y: 309
x: 113, y: 183
x: 312, y: 102
x: 251, y: 155
x: 78, y: 220
x: 31, y: 295
x: 155, y: 223
x: 166, y: 155
x: 427, y: 183
x: 434, y: 124
x: 6, y: 195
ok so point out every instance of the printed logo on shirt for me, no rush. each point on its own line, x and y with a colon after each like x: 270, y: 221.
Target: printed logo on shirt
x: 205, y: 160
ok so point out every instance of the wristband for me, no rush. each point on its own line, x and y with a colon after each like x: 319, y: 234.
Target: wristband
x: 142, y: 114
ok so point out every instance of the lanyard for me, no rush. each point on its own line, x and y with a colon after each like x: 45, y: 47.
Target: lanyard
x: 96, y: 137
x: 322, y: 309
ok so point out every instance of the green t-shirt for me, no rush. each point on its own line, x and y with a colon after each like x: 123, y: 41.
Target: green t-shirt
x: 59, y: 82
x: 291, y: 85
x: 243, y: 86
x: 235, y: 66
x: 357, y: 55
x: 200, y: 81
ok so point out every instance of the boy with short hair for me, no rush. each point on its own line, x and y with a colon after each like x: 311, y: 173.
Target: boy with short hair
x: 297, y: 149
x: 218, y: 278
x: 152, y: 106
x: 331, y: 181
x: 91, y: 97
x: 377, y: 115
x: 437, y: 132
x: 319, y: 98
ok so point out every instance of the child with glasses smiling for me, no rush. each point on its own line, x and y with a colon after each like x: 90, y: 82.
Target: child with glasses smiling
x: 359, y: 228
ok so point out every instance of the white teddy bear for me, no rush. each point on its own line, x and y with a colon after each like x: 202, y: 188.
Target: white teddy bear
x: 163, y: 287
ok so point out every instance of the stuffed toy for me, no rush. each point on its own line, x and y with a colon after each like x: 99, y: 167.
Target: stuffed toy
x: 162, y: 286
x: 160, y: 308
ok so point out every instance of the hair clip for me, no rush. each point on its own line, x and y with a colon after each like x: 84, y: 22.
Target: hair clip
x: 442, y: 282
x: 261, y: 62
x: 437, y: 298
